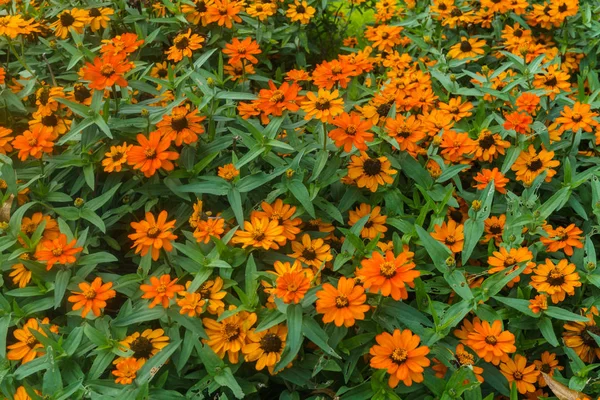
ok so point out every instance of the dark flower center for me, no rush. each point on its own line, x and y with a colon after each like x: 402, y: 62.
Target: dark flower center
x: 153, y: 232
x: 465, y: 46
x: 66, y: 19
x: 518, y: 33
x: 450, y: 240
x: 562, y: 8
x: 341, y: 301
x: 535, y: 165
x: 142, y: 347
x: 201, y: 6
x: 271, y: 343
x: 182, y: 43
x: 50, y: 120
x: 231, y: 332
x: 495, y: 229
x: 309, y: 254
x: 546, y: 368
x: 491, y: 340
x: 588, y: 340
x: 556, y: 277
x: 486, y: 142
x: 456, y: 216
x: 162, y: 73
x: 300, y: 9
x: 384, y: 109
x: 179, y: 123
x: 94, y: 12
x: 518, y: 376
x: 551, y: 81
x: 322, y: 104
x: 81, y: 93
x: 372, y: 167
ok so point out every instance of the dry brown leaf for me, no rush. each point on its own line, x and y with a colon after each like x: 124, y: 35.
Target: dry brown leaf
x: 5, y: 209
x: 560, y: 390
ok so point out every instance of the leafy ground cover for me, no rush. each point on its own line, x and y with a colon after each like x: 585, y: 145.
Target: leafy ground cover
x: 217, y: 199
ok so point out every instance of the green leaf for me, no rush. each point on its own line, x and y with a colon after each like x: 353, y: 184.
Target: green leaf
x: 96, y: 258
x: 143, y: 315
x: 555, y: 202
x: 4, y: 324
x: 458, y: 283
x: 235, y: 201
x: 301, y: 194
x: 545, y: 325
x: 438, y: 252
x: 210, y: 360
x: 294, y: 337
x: 92, y: 217
x: 60, y: 285
x: 226, y: 379
x: 562, y: 314
x: 518, y: 304
x: 101, y: 362
x: 318, y: 336
x: 99, y: 201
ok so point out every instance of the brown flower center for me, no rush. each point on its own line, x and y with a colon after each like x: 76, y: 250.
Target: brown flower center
x: 309, y: 254
x: 153, y: 232
x: 576, y: 117
x: 351, y: 130
x: 179, y: 123
x: 450, y: 240
x: 271, y: 343
x: 556, y: 277
x: 491, y: 339
x: 509, y: 261
x: 535, y: 165
x: 322, y: 104
x: 300, y: 9
x: 487, y: 142
x: 66, y: 19
x: 94, y: 12
x: 142, y: 348
x: 384, y: 109
x: 551, y: 81
x: 150, y: 154
x: 456, y: 216
x: 372, y: 167
x: 518, y: 375
x: 231, y: 332
x: 118, y: 156
x: 465, y: 46
x: 545, y: 368
x: 181, y: 42
x: 107, y: 70
x: 496, y: 229
x: 341, y: 301
x: 50, y: 120
x: 277, y: 96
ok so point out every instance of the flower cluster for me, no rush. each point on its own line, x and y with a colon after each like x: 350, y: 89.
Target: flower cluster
x: 295, y: 198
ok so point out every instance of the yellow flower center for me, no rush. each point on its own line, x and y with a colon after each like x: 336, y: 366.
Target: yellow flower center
x: 153, y: 232
x: 150, y: 153
x: 387, y: 269
x: 231, y: 332
x: 277, y: 96
x: 161, y: 289
x: 89, y: 294
x: 107, y: 70
x: 491, y: 339
x: 399, y: 356
x: 518, y: 375
x: 341, y: 301
x: 57, y: 251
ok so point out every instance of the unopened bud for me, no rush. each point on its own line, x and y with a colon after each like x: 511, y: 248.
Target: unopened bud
x: 78, y: 202
x: 476, y: 205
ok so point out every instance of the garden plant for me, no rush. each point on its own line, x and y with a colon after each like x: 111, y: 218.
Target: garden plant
x: 299, y: 199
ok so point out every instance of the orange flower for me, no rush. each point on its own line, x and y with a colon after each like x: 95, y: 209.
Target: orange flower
x: 457, y: 109
x: 314, y: 253
x: 369, y: 172
x: 106, y: 71
x: 486, y: 176
x: 351, y: 130
x: 184, y: 45
x: 282, y: 213
x: 300, y: 11
x: 578, y: 117
x: 467, y: 48
x: 161, y: 290
x: 116, y: 157
x: 490, y: 342
x: 389, y: 275
x: 191, y: 303
x: 489, y: 146
x: 224, y: 12
x: 547, y: 364
x: 92, y: 297
x: 553, y: 80
x: 33, y: 143
x: 342, y: 305
x: 292, y: 286
x: 528, y: 102
x: 400, y: 354
x: 523, y: 375
x: 323, y: 106
x: 5, y: 139
x: 242, y: 51
x: 153, y: 234
x: 451, y: 234
x: 57, y: 251
x: 557, y: 280
x: 274, y: 101
x: 562, y: 239
x: 127, y: 370
x: 539, y: 303
x: 260, y: 232
x: 27, y: 346
x: 577, y: 335
x: 509, y: 261
x: 151, y: 154
x: 494, y: 229
x: 123, y: 44
x: 406, y: 131
x: 182, y: 126
x: 455, y: 145
x: 330, y: 73
x: 520, y: 123
x: 211, y: 227
x: 228, y: 172
x: 375, y: 223
x: 531, y: 164
x: 228, y: 336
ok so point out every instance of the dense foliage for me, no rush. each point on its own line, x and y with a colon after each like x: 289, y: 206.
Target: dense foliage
x: 299, y: 199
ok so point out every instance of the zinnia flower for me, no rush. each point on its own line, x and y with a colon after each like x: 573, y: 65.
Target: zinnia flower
x: 556, y: 280
x: 126, y: 370
x: 153, y: 234
x: 400, y: 355
x: 92, y: 297
x: 160, y: 290
x: 370, y: 172
x: 228, y: 336
x: 152, y: 154
x: 490, y: 342
x: 389, y: 275
x: 343, y: 304
x: 57, y: 251
x: 523, y: 375
x: 265, y: 347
